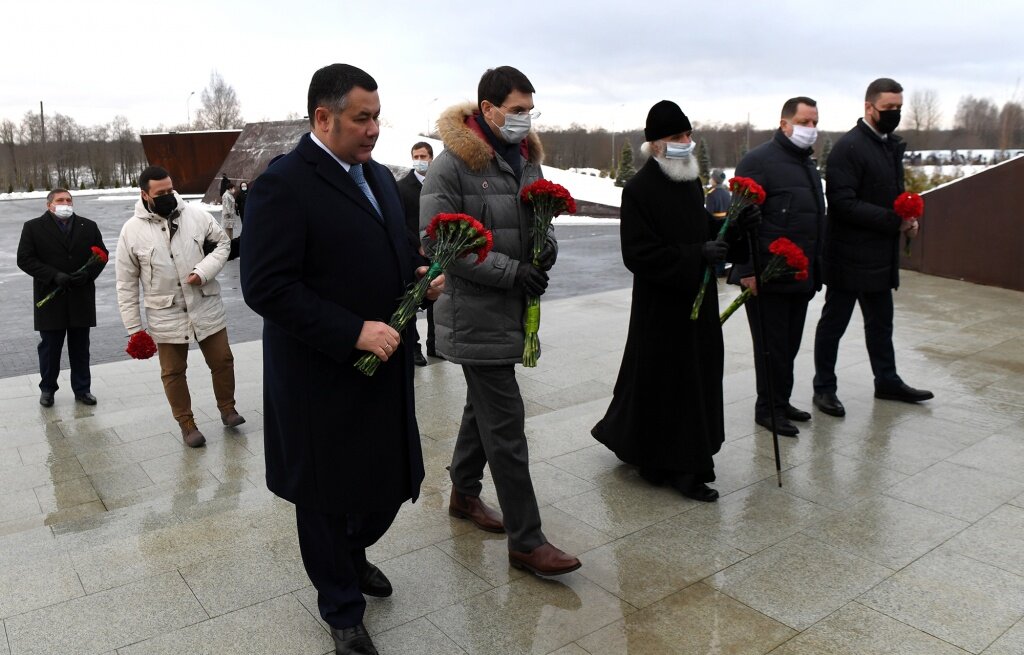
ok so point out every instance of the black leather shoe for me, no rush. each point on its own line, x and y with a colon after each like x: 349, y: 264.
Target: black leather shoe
x: 86, y: 398
x: 702, y: 492
x: 373, y: 582
x: 782, y: 425
x: 418, y: 359
x: 46, y: 399
x: 903, y: 393
x: 353, y: 641
x: 829, y: 403
x: 794, y: 414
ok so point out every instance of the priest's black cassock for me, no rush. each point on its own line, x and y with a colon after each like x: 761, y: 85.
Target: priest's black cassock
x: 666, y: 414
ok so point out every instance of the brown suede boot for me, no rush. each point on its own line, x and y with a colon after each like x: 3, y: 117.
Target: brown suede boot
x: 231, y: 418
x: 191, y: 435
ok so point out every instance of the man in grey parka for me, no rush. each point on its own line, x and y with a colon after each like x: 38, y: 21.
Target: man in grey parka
x: 490, y: 156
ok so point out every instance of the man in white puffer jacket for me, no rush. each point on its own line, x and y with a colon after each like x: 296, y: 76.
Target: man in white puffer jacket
x: 161, y: 247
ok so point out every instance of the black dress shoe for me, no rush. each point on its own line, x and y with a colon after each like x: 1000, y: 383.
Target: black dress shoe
x: 418, y: 359
x: 353, y: 641
x: 86, y: 398
x: 904, y: 393
x: 46, y: 399
x: 829, y: 403
x: 702, y: 492
x: 794, y: 414
x: 373, y: 582
x: 782, y: 425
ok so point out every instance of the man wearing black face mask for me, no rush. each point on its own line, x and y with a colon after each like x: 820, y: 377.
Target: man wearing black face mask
x: 861, y: 253
x: 161, y: 248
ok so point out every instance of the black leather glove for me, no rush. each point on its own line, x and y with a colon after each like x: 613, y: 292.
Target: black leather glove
x: 547, y: 256
x: 749, y: 218
x: 79, y: 278
x: 531, y: 279
x: 714, y: 252
x: 62, y: 280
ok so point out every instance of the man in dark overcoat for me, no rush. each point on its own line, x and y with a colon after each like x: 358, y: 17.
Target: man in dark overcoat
x: 327, y: 260
x: 52, y: 249
x: 666, y: 415
x: 409, y: 187
x: 794, y: 208
x: 861, y: 259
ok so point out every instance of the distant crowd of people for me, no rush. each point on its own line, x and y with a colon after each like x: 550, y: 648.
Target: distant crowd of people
x: 332, y: 241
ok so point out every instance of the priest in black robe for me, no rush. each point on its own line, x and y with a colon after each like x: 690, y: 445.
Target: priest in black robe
x: 666, y: 415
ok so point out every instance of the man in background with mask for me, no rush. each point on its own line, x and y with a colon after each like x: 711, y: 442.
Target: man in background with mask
x: 52, y: 249
x: 794, y: 208
x: 862, y: 247
x: 666, y: 416
x: 490, y: 155
x: 161, y: 247
x: 409, y: 188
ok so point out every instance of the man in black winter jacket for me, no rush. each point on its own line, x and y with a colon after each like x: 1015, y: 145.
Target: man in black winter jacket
x: 794, y: 208
x: 861, y: 255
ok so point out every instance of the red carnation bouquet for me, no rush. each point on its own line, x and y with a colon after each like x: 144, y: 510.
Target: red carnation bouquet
x: 453, y: 236
x: 140, y: 345
x: 909, y: 207
x: 98, y: 255
x: 787, y: 258
x: 548, y: 200
x: 745, y: 192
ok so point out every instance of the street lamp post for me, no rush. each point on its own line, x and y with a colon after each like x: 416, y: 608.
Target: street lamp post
x: 188, y: 112
x: 429, y: 106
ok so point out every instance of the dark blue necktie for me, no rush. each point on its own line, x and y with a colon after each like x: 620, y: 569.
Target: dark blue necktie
x: 356, y: 171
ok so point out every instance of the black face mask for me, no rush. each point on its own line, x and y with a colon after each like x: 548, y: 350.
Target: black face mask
x: 888, y: 120
x: 164, y: 205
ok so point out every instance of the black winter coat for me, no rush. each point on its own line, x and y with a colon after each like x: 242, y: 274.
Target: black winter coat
x: 409, y: 188
x: 794, y: 208
x: 319, y: 262
x: 667, y: 409
x: 862, y: 235
x: 45, y: 251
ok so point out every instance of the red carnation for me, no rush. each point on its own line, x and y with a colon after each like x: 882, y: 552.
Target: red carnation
x: 909, y: 206
x: 140, y: 345
x: 99, y: 253
x: 787, y: 257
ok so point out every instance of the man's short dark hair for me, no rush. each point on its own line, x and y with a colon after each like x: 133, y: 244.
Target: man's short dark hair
x: 497, y: 83
x: 330, y: 87
x: 423, y: 144
x: 880, y: 86
x: 790, y: 106
x: 53, y: 194
x: 152, y: 173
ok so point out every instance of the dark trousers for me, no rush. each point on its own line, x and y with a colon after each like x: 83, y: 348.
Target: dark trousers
x: 493, y: 433
x: 333, y: 548
x: 876, y: 306
x: 784, y: 315
x: 50, y: 346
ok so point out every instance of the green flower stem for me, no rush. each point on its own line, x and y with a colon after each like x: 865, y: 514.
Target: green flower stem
x: 543, y: 215
x: 741, y: 201
x: 53, y: 294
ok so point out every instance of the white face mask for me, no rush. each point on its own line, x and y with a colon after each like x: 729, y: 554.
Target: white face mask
x: 675, y: 150
x: 516, y: 127
x: 420, y: 165
x: 63, y: 211
x: 803, y: 136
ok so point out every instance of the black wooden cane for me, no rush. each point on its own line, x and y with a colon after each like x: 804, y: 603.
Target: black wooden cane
x: 755, y: 257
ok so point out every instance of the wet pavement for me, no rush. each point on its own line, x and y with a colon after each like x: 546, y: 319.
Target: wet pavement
x: 899, y: 528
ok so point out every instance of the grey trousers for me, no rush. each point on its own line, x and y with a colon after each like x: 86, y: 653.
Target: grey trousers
x: 493, y: 433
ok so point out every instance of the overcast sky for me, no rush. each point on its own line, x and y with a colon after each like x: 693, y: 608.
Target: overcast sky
x: 595, y: 63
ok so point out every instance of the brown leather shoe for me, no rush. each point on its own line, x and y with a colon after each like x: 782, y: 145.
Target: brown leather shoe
x: 473, y: 509
x: 545, y: 560
x: 231, y: 418
x: 191, y: 435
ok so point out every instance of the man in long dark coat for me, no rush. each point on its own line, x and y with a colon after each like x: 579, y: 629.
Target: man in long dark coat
x: 52, y: 249
x: 327, y: 258
x: 409, y: 188
x: 666, y: 415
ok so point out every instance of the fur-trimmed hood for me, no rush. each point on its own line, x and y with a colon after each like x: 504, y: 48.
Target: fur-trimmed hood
x: 461, y: 134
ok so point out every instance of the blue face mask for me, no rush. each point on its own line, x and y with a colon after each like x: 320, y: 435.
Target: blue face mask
x: 678, y: 150
x: 420, y: 165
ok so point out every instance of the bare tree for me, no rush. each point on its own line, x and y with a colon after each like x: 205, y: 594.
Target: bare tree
x: 1011, y: 126
x: 220, y: 108
x: 8, y: 130
x: 923, y: 112
x: 978, y: 116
